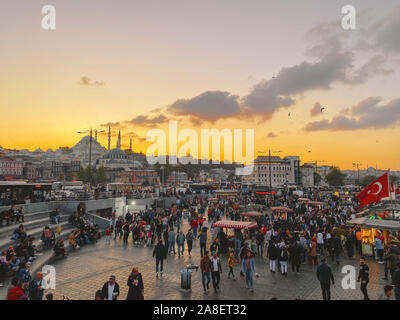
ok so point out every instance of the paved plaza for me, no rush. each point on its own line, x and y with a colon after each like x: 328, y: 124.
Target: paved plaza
x: 88, y: 268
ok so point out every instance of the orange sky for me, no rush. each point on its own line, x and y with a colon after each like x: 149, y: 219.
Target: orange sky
x: 147, y: 64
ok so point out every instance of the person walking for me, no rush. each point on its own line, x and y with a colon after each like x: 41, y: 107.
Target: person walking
x: 189, y: 241
x: 126, y: 231
x: 171, y: 240
x: 160, y: 253
x: 283, y: 259
x: 379, y: 249
x: 110, y: 290
x: 248, y: 267
x: 215, y: 271
x: 396, y: 282
x: 272, y: 255
x: 231, y: 262
x: 295, y: 257
x: 203, y: 242
x: 135, y: 284
x: 205, y: 267
x: 325, y: 277
x: 363, y: 276
x: 180, y: 240
x: 108, y: 235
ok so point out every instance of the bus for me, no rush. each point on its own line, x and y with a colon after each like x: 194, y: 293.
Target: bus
x: 21, y: 192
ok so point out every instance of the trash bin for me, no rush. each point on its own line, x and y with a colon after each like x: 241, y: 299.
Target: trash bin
x: 186, y: 279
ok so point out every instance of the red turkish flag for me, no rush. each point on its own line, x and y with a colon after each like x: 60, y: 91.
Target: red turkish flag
x: 134, y: 178
x: 397, y: 190
x: 375, y: 191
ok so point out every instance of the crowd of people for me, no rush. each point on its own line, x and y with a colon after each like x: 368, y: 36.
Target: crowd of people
x: 314, y: 235
x: 317, y: 236
x: 16, y: 261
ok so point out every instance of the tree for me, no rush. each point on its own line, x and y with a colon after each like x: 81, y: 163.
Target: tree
x: 335, y: 177
x: 100, y: 175
x: 366, y: 180
x: 317, y: 178
x: 82, y: 175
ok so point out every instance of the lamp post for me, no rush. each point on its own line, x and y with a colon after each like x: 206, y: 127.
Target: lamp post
x: 270, y: 169
x: 90, y: 150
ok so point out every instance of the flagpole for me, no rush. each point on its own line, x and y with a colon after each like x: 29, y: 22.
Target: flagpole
x: 391, y: 199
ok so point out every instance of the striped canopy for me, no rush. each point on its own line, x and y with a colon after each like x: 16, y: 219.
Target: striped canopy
x: 251, y: 214
x: 235, y: 224
x: 212, y: 199
x: 318, y: 203
x: 281, y: 209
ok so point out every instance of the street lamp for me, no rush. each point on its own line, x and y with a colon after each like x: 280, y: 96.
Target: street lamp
x: 90, y: 150
x: 270, y: 169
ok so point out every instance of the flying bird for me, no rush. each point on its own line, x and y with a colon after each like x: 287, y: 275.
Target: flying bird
x: 322, y: 109
x: 289, y: 114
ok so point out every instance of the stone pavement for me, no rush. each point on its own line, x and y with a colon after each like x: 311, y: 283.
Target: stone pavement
x: 88, y: 268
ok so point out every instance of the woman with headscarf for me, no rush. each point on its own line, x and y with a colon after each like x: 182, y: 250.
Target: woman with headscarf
x: 135, y: 284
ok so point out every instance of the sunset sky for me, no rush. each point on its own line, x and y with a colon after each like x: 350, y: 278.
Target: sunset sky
x: 137, y: 64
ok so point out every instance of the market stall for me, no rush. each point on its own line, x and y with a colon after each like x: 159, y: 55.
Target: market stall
x: 373, y: 227
x: 282, y: 211
x: 237, y: 226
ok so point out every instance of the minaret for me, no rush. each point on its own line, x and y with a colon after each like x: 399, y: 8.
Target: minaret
x: 119, y: 140
x: 130, y: 144
x: 95, y: 135
x: 109, y: 137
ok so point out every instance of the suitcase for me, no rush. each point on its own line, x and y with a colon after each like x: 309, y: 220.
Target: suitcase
x: 186, y: 279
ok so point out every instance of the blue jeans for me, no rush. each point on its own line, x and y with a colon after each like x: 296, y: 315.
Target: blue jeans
x: 179, y: 247
x: 237, y: 246
x: 195, y: 233
x: 161, y: 263
x: 249, y: 278
x: 397, y: 293
x: 205, y: 275
x: 171, y: 246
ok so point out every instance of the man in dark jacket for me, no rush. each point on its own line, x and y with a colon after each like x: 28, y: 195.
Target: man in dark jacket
x: 363, y: 276
x: 36, y: 287
x: 396, y: 282
x: 110, y: 290
x: 160, y: 253
x: 325, y: 276
x: 272, y: 254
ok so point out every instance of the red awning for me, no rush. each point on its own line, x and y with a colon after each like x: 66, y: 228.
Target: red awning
x: 234, y: 224
x: 251, y: 214
x: 281, y: 209
x: 212, y: 199
x: 316, y: 203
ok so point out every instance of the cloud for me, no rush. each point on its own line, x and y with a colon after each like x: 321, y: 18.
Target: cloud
x: 86, y: 81
x: 148, y: 120
x: 271, y: 135
x: 384, y: 34
x: 209, y: 106
x: 316, y: 110
x: 111, y: 124
x: 367, y: 114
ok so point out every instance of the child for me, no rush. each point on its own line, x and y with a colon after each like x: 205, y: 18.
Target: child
x: 108, y: 235
x: 149, y: 237
x: 231, y: 262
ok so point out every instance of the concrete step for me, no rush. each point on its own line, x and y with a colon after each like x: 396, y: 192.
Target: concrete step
x: 36, y: 233
x: 7, y: 231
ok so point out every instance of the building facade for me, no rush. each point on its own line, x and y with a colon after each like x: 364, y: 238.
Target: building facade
x: 275, y: 171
